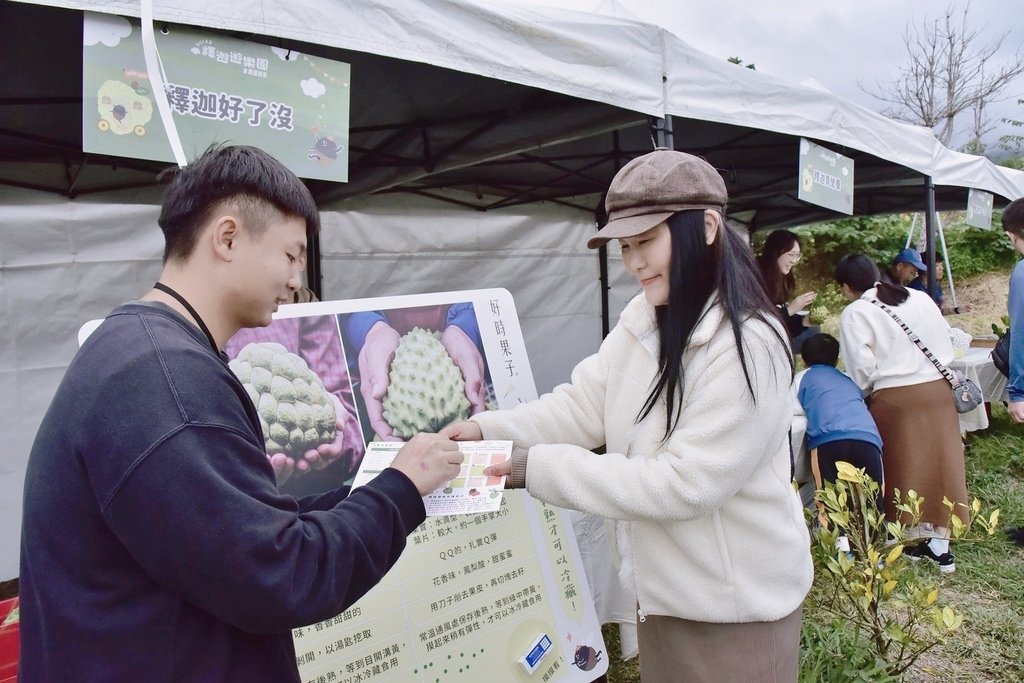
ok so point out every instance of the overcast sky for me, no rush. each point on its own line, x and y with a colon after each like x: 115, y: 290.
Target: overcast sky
x: 841, y: 43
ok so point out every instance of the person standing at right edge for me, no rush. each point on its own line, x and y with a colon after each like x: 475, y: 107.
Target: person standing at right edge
x: 1013, y: 224
x: 691, y: 394
x: 910, y: 400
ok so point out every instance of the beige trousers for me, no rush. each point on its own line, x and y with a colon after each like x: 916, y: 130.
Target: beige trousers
x: 681, y: 651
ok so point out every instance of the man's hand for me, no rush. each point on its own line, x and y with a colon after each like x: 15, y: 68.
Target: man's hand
x: 429, y: 460
x: 374, y: 364
x: 1016, y: 410
x: 283, y: 466
x: 465, y: 354
x: 950, y: 309
x: 464, y: 430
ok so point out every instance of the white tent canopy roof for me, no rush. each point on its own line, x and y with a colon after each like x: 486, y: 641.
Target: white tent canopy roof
x: 709, y: 89
x: 590, y: 56
x: 529, y: 103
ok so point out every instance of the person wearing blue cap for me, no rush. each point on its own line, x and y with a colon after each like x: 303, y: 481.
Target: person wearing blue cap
x: 920, y: 283
x: 904, y: 268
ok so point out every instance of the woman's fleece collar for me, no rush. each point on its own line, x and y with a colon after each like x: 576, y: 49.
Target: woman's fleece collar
x: 638, y: 318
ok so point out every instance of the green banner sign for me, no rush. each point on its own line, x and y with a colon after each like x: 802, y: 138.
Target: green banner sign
x: 219, y: 89
x: 979, y: 209
x: 826, y: 178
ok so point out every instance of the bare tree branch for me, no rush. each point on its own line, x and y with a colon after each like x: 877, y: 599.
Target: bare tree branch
x: 949, y: 71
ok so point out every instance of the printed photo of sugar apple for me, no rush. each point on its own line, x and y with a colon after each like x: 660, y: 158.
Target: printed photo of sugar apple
x: 296, y: 411
x: 426, y: 390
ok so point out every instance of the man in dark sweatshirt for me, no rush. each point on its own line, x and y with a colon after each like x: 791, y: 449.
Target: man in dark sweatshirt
x: 155, y: 543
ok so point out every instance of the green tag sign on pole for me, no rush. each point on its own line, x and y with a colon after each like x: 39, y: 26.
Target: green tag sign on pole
x: 220, y: 90
x: 979, y: 209
x: 826, y: 178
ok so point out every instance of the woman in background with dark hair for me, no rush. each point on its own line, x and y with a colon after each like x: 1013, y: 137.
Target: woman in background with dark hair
x: 779, y: 255
x: 690, y: 393
x: 910, y: 400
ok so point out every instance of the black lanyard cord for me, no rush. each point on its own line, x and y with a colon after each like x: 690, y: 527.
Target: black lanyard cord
x: 188, y: 307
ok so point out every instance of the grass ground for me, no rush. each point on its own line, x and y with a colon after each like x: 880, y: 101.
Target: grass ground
x: 987, y: 587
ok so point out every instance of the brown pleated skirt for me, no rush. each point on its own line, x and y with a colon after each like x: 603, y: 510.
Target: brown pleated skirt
x: 681, y: 651
x: 922, y: 450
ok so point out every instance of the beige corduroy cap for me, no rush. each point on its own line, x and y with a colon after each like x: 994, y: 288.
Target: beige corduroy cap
x: 650, y: 188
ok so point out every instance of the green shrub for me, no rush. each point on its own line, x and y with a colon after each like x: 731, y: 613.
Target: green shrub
x: 831, y: 653
x: 973, y: 251
x: 885, y: 612
x: 877, y: 237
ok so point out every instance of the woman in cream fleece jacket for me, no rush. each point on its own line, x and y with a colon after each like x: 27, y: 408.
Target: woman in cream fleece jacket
x: 697, y: 467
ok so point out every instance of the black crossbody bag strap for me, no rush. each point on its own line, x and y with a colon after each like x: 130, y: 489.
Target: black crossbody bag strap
x: 917, y: 340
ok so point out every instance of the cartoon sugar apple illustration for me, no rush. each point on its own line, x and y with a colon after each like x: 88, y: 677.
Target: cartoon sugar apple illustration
x: 123, y: 108
x: 296, y: 411
x: 426, y: 390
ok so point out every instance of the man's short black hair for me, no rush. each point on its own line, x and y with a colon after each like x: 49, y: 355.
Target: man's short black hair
x: 256, y: 183
x: 1013, y: 217
x: 820, y: 349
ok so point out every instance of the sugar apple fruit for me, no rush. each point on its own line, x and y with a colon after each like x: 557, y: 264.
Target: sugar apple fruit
x: 426, y: 390
x: 296, y: 412
x: 818, y: 314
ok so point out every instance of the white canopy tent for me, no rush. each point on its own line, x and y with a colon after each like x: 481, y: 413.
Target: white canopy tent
x: 528, y: 113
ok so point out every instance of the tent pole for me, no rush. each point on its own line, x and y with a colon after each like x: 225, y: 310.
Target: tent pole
x: 661, y: 132
x: 602, y: 253
x: 937, y: 286
x: 910, y: 233
x: 314, y: 270
x: 929, y: 223
x: 605, y: 313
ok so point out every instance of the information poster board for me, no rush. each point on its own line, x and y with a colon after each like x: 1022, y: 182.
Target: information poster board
x: 979, y: 209
x: 826, y: 178
x: 220, y: 89
x: 473, y: 593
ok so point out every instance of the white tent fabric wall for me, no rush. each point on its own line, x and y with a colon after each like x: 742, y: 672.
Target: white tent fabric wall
x: 61, y: 263
x: 388, y: 245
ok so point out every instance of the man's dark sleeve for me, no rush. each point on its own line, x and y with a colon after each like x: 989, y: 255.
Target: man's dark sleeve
x: 202, y: 514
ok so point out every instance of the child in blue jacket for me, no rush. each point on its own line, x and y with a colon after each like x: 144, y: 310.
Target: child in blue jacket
x: 839, y: 426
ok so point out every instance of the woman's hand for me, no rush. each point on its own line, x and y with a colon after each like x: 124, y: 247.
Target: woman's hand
x: 502, y: 469
x: 801, y: 302
x: 464, y: 430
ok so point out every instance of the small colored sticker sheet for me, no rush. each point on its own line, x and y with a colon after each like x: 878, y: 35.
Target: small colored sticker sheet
x: 471, y: 492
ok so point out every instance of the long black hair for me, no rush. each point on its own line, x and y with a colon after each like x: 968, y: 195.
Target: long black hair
x: 775, y: 245
x: 860, y: 274
x: 698, y: 270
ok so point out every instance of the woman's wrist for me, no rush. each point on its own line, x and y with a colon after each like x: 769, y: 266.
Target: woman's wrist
x: 517, y: 479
